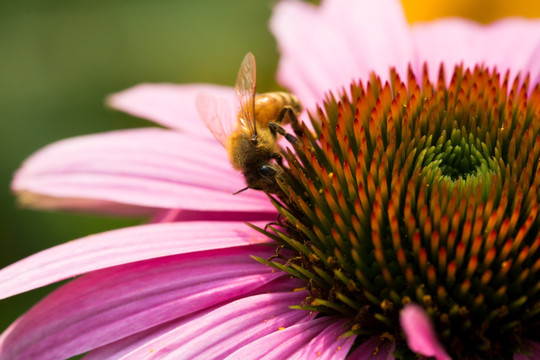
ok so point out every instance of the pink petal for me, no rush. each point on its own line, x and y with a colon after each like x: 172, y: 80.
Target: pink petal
x: 213, y: 334
x: 194, y: 215
x: 533, y: 67
x: 169, y: 105
x: 297, y: 340
x: 149, y: 168
x: 420, y: 334
x: 374, y: 349
x: 324, y: 48
x: 121, y: 247
x: 113, y: 303
x: 511, y: 44
x: 328, y: 344
x: 532, y: 348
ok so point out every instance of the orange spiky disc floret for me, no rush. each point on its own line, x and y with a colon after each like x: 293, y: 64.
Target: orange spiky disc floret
x: 426, y: 193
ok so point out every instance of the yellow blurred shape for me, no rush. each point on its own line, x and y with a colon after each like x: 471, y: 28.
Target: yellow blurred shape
x: 483, y: 11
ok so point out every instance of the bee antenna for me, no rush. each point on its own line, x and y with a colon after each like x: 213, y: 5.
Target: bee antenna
x: 239, y: 191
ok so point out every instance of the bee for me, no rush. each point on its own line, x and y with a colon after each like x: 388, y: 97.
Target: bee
x: 251, y: 139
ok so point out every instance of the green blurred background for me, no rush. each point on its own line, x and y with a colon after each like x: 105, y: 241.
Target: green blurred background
x: 59, y: 59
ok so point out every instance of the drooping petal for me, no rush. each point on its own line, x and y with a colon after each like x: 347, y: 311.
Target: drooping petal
x: 421, y: 336
x: 213, y: 334
x: 149, y: 168
x: 509, y: 44
x: 302, y: 340
x: 121, y: 247
x: 532, y: 349
x: 110, y: 304
x: 374, y: 349
x: 325, y: 47
x: 170, y: 105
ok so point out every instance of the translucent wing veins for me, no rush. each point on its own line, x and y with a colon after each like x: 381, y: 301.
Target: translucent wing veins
x: 216, y: 113
x: 245, y: 90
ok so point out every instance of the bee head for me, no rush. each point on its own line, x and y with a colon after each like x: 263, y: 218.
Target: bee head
x: 267, y: 180
x: 267, y: 171
x: 263, y: 177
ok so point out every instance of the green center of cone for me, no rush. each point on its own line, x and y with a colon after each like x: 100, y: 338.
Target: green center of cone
x: 425, y: 193
x: 458, y: 157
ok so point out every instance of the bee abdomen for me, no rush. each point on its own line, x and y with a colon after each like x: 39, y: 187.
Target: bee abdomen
x: 286, y: 99
x: 269, y: 105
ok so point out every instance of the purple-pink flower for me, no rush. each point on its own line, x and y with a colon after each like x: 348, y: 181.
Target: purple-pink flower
x: 186, y: 285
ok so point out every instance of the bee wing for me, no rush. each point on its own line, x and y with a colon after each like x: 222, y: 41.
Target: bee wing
x: 216, y: 113
x: 245, y: 90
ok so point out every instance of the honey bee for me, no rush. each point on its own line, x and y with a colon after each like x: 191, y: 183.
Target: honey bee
x: 251, y: 139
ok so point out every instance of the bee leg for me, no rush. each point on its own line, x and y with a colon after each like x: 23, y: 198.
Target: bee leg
x: 279, y: 130
x: 293, y: 120
x: 278, y: 158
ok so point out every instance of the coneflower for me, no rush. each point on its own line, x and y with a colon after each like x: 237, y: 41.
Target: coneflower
x: 406, y: 225
x: 413, y: 192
